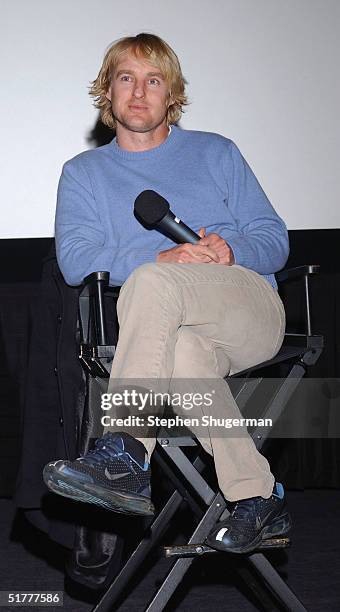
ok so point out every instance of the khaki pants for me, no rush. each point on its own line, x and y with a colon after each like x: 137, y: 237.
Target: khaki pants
x: 203, y: 321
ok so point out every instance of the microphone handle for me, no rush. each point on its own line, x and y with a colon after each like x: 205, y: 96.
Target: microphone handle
x: 177, y: 230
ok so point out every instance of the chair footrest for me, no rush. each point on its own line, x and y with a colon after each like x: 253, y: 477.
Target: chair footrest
x: 197, y: 550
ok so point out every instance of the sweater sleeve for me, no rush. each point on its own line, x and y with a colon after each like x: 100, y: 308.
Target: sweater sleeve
x: 261, y: 240
x: 80, y: 235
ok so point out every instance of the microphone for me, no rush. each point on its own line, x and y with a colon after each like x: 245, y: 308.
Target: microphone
x: 153, y: 212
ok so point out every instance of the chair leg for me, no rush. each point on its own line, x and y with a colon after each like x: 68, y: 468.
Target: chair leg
x: 267, y: 574
x: 256, y: 586
x: 155, y: 532
x: 268, y: 578
x: 181, y: 566
x: 180, y: 487
x: 275, y: 583
x: 278, y: 402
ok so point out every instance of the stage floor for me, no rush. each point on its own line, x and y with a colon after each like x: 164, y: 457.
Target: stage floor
x: 311, y: 566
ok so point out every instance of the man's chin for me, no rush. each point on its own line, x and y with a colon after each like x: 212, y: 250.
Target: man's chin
x: 139, y: 125
x: 141, y: 129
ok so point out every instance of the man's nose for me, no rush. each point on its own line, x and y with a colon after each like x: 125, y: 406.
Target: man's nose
x: 139, y: 89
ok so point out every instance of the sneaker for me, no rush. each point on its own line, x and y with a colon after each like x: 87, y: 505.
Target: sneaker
x: 251, y: 521
x: 115, y: 475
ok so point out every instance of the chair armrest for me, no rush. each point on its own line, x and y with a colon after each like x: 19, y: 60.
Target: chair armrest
x: 94, y: 277
x: 298, y: 272
x: 302, y: 272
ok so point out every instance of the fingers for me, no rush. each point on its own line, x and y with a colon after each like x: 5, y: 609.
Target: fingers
x: 201, y: 250
x: 213, y: 240
x: 190, y: 253
x: 189, y: 259
x: 219, y: 246
x: 201, y: 232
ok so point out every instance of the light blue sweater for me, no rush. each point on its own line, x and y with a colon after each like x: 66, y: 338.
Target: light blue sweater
x: 204, y: 178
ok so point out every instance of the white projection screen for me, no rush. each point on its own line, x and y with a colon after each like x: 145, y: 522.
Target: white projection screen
x: 264, y: 73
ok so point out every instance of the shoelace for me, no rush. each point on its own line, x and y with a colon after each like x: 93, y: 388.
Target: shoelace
x: 104, y: 449
x: 242, y: 509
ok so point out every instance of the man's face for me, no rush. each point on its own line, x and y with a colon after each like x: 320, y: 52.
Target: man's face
x: 139, y: 94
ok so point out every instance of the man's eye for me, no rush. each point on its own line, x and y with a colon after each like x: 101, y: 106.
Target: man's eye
x: 125, y: 77
x: 154, y: 81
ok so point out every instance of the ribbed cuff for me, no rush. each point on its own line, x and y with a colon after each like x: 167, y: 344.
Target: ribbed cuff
x: 243, y: 253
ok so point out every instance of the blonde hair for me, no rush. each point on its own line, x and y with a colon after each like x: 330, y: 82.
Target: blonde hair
x: 157, y: 52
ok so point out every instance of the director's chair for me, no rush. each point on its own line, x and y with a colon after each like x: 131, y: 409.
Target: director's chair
x: 181, y: 459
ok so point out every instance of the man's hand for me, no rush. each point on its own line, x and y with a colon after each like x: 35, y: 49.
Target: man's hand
x: 210, y: 249
x: 190, y: 253
x: 220, y: 246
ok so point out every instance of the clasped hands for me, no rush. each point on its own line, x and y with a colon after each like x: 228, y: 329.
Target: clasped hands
x: 210, y: 249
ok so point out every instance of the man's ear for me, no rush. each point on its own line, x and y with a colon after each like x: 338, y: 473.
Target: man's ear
x: 108, y: 95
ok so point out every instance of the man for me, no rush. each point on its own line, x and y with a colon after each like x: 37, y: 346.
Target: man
x: 190, y: 311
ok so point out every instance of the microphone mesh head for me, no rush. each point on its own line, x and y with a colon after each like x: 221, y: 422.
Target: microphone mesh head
x: 150, y: 208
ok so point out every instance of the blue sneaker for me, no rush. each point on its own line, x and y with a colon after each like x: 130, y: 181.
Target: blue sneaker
x: 251, y: 521
x: 115, y: 475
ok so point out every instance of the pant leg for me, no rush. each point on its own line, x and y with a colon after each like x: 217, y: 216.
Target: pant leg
x: 241, y: 470
x: 233, y: 307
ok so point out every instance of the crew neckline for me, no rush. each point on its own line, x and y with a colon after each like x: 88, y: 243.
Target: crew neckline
x: 167, y: 144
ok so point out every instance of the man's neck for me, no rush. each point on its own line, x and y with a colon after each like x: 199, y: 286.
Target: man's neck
x: 141, y: 141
